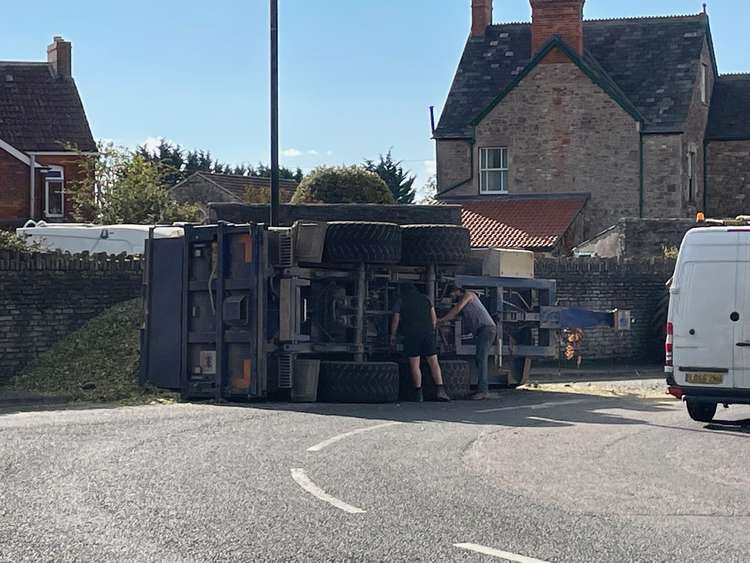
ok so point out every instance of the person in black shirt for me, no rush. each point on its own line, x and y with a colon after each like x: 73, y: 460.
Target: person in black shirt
x: 415, y: 315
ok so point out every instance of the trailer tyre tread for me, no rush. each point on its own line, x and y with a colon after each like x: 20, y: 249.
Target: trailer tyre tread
x: 353, y: 382
x: 372, y: 243
x: 456, y: 380
x: 435, y: 244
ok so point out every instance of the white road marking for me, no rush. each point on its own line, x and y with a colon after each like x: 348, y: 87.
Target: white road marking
x: 497, y: 553
x: 324, y: 444
x: 535, y: 407
x: 303, y: 481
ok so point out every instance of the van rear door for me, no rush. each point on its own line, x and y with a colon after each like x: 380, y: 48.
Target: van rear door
x: 742, y: 326
x: 703, y: 300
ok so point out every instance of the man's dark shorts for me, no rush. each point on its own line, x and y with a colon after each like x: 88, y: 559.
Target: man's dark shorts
x: 421, y: 345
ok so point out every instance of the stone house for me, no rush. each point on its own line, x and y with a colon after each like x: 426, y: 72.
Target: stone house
x: 44, y: 136
x: 202, y: 188
x: 631, y: 112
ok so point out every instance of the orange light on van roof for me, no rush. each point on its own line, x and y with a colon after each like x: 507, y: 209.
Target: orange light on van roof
x: 700, y: 217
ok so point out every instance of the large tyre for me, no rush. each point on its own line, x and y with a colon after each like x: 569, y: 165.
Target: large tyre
x: 701, y: 411
x: 372, y: 243
x: 456, y: 379
x: 435, y: 244
x: 351, y: 382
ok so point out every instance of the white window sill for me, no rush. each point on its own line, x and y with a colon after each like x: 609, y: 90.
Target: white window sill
x: 506, y: 192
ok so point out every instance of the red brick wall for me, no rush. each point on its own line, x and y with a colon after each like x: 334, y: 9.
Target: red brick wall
x: 14, y: 190
x: 557, y: 17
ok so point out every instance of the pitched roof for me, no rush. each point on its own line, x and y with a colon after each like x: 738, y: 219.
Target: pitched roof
x: 653, y: 62
x: 521, y: 223
x: 39, y: 112
x: 237, y: 185
x: 730, y: 108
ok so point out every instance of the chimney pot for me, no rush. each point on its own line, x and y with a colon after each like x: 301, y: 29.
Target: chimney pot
x: 481, y: 17
x: 561, y: 18
x: 59, y: 57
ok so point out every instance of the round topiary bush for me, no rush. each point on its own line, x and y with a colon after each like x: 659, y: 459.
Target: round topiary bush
x: 342, y: 184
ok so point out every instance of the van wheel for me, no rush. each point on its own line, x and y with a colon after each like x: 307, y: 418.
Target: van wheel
x: 701, y: 411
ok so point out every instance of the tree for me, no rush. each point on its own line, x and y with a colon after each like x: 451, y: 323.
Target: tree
x: 396, y: 178
x: 176, y: 164
x: 124, y: 187
x: 342, y: 184
x: 429, y: 192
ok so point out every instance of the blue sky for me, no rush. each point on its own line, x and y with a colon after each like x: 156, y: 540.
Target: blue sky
x: 357, y: 76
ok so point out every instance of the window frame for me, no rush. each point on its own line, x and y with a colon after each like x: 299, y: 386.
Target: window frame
x: 485, y: 150
x: 48, y: 182
x: 704, y: 83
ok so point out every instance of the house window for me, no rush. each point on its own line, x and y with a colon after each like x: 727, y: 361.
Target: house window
x: 54, y: 193
x: 704, y: 84
x: 493, y: 170
x: 691, y: 174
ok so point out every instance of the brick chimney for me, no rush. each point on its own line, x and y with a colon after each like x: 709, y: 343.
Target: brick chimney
x: 481, y: 17
x: 59, y: 57
x: 563, y: 18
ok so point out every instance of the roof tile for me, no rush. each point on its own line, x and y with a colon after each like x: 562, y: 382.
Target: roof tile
x: 533, y: 224
x: 652, y: 61
x: 39, y: 112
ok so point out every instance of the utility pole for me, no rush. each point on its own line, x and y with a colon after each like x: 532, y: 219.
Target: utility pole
x: 274, y: 113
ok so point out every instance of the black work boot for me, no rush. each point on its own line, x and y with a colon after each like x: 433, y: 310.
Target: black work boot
x: 418, y: 395
x: 441, y: 395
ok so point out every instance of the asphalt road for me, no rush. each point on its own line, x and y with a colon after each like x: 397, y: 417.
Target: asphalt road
x: 553, y: 477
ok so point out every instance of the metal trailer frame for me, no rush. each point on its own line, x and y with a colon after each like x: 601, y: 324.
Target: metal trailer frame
x: 260, y: 327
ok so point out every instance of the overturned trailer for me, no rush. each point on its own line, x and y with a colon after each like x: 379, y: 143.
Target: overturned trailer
x: 249, y: 312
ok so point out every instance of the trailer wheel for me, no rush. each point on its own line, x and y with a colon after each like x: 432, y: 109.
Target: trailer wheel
x: 701, y: 411
x: 456, y: 379
x: 352, y: 382
x: 372, y: 243
x: 435, y: 244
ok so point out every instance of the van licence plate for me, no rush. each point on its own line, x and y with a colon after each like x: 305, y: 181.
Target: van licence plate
x: 705, y: 378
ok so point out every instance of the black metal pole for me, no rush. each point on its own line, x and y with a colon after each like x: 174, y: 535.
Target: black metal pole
x: 274, y: 113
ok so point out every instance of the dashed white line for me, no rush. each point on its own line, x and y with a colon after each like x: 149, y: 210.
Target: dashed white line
x: 497, y: 553
x: 324, y: 444
x: 303, y: 481
x: 535, y: 406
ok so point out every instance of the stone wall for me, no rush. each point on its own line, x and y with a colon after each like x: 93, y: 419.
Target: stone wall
x: 453, y: 164
x: 662, y: 175
x: 45, y: 297
x: 635, y: 285
x: 728, y: 189
x: 564, y: 134
x: 288, y: 214
x: 638, y: 238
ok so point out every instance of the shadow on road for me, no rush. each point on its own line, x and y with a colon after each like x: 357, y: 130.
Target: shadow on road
x: 513, y: 409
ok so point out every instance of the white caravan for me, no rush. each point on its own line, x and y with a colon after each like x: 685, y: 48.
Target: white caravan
x: 81, y: 237
x: 708, y: 329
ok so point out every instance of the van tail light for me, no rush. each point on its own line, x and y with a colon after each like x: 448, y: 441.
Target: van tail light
x: 668, y: 357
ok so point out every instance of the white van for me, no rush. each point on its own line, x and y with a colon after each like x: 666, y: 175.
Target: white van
x: 708, y: 328
x: 82, y: 237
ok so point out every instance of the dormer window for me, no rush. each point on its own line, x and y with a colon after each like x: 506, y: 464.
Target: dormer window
x: 54, y: 193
